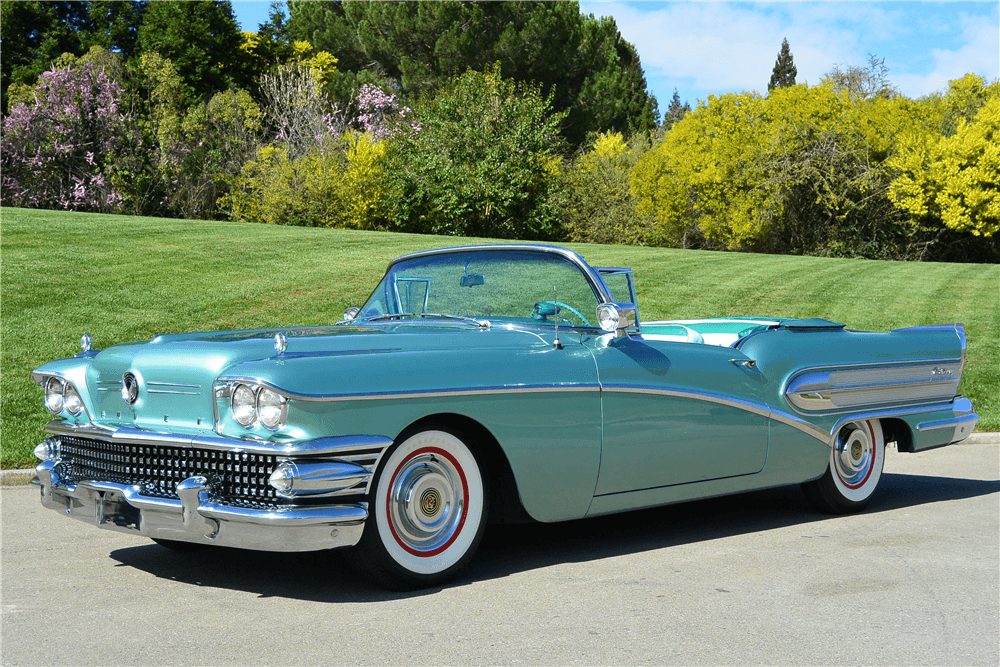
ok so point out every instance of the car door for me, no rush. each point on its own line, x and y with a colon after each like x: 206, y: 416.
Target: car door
x: 676, y: 413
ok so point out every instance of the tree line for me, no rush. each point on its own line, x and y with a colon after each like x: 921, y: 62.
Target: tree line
x: 523, y: 120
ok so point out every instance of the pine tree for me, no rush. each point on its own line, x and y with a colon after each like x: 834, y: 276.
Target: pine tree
x: 784, y: 72
x: 676, y: 111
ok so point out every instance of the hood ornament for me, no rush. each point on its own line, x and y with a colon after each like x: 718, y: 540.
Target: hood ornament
x: 86, y: 342
x: 280, y: 342
x: 130, y: 388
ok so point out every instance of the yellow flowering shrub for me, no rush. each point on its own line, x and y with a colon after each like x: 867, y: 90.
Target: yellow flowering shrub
x: 954, y: 178
x: 338, y: 184
x: 362, y: 189
x: 704, y: 168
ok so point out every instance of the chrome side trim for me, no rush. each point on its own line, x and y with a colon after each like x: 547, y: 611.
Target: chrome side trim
x: 754, y: 408
x: 749, y: 406
x: 224, y: 382
x: 802, y: 425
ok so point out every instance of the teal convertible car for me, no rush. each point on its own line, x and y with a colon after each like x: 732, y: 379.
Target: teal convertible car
x: 497, y: 382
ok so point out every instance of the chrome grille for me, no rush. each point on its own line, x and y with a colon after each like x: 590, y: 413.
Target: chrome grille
x: 157, y: 469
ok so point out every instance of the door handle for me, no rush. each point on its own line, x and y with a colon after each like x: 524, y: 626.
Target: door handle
x: 746, y: 363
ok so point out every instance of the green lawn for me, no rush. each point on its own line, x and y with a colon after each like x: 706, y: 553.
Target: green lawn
x: 123, y: 278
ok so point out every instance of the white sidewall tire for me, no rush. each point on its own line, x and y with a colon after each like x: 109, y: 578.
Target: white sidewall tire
x: 473, y: 504
x: 861, y: 492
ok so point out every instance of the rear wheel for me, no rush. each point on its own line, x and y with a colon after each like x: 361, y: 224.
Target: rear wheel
x: 856, y: 461
x: 427, y: 512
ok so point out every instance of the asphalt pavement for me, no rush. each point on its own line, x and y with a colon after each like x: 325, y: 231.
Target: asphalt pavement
x: 758, y: 578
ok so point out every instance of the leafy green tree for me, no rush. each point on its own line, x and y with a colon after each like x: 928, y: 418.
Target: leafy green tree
x: 201, y: 39
x: 33, y: 34
x: 783, y: 74
x: 596, y: 76
x: 595, y: 201
x: 271, y: 44
x: 114, y: 26
x: 480, y: 161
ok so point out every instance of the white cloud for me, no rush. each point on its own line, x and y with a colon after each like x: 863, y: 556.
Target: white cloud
x: 718, y: 47
x: 979, y: 53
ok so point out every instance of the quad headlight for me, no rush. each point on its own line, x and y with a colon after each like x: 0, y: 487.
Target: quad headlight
x: 61, y: 396
x: 244, y: 406
x: 270, y: 408
x: 71, y: 400
x: 54, y: 398
x: 251, y: 405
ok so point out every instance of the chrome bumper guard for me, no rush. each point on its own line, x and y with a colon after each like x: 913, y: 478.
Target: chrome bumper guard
x: 197, y: 518
x: 962, y: 425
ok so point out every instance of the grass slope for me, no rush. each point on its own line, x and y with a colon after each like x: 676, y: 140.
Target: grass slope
x: 124, y: 278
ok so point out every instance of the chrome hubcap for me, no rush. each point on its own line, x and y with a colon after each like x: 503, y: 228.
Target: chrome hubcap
x: 426, y: 502
x: 854, y: 455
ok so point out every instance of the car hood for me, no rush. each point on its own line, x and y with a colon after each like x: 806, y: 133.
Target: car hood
x: 176, y: 372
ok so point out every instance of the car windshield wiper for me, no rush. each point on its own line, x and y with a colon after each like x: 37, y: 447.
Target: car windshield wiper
x: 482, y: 324
x: 389, y: 316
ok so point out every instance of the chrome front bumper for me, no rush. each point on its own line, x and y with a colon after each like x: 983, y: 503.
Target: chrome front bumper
x: 196, y: 518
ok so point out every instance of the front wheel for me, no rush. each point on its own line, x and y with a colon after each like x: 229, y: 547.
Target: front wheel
x: 427, y: 513
x: 856, y: 461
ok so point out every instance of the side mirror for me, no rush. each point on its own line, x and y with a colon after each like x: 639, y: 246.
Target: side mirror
x: 351, y: 313
x: 616, y: 317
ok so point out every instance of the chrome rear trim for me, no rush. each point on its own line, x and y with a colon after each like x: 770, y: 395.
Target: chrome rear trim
x: 841, y: 389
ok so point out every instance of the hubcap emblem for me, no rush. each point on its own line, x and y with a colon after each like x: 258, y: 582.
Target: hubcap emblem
x: 856, y: 451
x: 430, y: 501
x: 130, y: 389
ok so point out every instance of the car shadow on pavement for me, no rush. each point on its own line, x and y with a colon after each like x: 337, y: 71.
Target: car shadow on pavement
x: 509, y: 549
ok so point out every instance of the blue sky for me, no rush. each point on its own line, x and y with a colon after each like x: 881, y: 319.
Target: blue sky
x: 711, y: 48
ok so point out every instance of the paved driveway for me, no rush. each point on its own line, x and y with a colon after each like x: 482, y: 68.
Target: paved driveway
x: 757, y: 578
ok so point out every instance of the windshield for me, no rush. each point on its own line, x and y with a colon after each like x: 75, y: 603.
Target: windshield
x: 505, y: 285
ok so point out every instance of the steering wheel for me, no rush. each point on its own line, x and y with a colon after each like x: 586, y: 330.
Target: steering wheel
x: 543, y: 309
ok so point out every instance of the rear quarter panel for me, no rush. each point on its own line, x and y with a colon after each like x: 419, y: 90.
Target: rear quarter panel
x: 784, y: 354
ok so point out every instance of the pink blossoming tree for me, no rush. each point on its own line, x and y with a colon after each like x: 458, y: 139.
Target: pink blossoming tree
x: 59, y: 151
